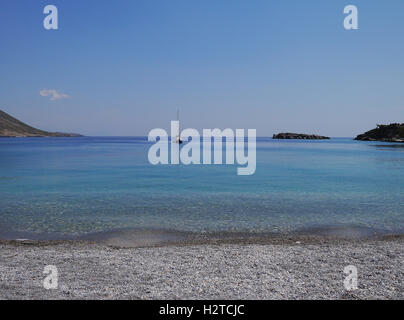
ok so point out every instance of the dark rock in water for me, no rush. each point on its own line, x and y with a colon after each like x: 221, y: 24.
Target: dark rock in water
x: 387, y: 133
x: 288, y: 135
x: 11, y: 127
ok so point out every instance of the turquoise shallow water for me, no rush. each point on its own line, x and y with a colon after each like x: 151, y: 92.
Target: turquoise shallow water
x: 73, y: 186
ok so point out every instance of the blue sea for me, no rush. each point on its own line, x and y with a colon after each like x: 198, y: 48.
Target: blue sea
x: 70, y: 187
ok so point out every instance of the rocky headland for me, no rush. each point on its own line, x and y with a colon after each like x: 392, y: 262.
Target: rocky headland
x: 387, y: 133
x: 11, y: 127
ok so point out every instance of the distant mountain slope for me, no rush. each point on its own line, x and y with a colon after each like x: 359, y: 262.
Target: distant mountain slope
x: 11, y: 127
x: 389, y: 133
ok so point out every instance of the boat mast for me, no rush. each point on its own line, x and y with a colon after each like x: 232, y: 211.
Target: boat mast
x: 178, y: 119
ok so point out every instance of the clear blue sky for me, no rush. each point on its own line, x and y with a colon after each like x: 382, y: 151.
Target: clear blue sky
x: 274, y: 66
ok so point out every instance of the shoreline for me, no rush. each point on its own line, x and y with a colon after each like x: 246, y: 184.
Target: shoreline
x: 207, y: 240
x: 149, y: 237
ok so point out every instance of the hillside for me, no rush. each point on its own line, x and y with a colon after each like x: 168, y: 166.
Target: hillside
x: 11, y: 127
x: 388, y: 133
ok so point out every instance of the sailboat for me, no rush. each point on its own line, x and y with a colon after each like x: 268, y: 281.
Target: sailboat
x: 178, y: 139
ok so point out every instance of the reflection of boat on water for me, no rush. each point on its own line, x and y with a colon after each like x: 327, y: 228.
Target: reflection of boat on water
x: 178, y: 138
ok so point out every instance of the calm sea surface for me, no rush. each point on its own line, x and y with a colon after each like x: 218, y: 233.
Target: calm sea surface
x: 66, y: 187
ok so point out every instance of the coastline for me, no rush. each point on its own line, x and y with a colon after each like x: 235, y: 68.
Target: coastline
x: 163, y: 239
x: 294, y: 267
x: 149, y: 237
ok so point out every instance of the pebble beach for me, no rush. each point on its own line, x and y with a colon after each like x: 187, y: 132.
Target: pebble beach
x: 265, y: 268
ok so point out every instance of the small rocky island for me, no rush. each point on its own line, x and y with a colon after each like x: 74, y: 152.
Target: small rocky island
x: 11, y: 127
x: 303, y: 136
x: 387, y: 133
